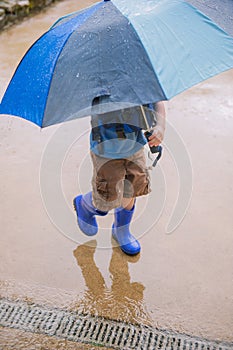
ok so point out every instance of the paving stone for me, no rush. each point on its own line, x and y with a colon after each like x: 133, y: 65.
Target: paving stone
x: 13, y: 10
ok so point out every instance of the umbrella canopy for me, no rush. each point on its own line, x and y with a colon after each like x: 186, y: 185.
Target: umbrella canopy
x: 220, y: 11
x: 132, y: 51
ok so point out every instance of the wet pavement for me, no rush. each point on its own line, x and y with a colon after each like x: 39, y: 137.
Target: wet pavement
x: 182, y: 280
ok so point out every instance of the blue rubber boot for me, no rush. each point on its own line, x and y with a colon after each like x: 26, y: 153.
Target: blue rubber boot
x: 86, y: 214
x: 121, y: 233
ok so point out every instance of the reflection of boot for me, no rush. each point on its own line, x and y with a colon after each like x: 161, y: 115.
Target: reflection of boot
x: 86, y: 214
x: 120, y: 275
x: 121, y: 233
x: 128, y: 296
x: 84, y: 255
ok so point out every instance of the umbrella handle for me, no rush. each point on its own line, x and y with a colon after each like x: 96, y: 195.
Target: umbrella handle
x: 159, y: 151
x: 154, y: 149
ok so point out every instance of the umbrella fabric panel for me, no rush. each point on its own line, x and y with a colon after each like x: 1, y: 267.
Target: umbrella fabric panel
x: 69, y: 16
x: 27, y: 91
x: 220, y: 11
x: 104, y: 58
x: 26, y: 95
x: 182, y: 54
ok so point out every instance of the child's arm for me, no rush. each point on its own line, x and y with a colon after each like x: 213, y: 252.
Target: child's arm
x: 159, y: 129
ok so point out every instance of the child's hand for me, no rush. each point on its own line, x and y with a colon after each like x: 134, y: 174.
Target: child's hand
x: 158, y: 131
x: 157, y: 137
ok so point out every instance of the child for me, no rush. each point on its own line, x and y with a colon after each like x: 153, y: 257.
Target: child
x: 119, y: 169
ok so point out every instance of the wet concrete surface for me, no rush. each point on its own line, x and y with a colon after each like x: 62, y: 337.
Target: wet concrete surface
x: 182, y: 281
x: 16, y: 339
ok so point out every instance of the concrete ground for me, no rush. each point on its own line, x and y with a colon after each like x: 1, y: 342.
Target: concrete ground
x: 182, y: 280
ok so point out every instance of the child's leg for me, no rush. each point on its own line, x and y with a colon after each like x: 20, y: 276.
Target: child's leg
x: 107, y: 192
x: 137, y: 183
x: 121, y: 233
x: 86, y: 213
x: 128, y: 203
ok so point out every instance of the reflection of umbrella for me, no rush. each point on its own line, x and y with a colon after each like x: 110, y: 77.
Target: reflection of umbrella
x: 134, y: 51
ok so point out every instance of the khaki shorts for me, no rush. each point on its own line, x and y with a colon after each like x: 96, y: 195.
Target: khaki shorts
x: 115, y: 179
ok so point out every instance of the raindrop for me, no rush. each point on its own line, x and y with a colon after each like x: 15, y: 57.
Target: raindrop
x: 77, y: 76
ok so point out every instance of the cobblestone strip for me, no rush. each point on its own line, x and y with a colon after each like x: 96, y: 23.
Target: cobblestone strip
x: 13, y: 10
x: 95, y: 330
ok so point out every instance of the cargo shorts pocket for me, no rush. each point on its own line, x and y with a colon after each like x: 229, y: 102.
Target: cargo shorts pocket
x: 102, y: 188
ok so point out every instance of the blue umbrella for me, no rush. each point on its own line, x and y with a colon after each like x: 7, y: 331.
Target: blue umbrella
x: 132, y: 51
x: 220, y: 11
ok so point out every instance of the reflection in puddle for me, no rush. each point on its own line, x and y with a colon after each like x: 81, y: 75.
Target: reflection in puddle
x: 124, y: 300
